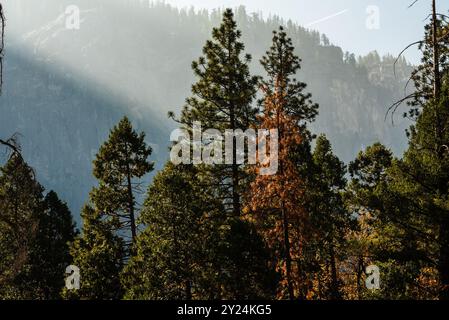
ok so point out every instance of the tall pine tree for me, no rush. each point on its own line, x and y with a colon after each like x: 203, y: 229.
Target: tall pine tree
x: 120, y: 162
x: 173, y: 255
x: 330, y: 217
x: 101, y: 250
x: 222, y: 99
x: 278, y: 201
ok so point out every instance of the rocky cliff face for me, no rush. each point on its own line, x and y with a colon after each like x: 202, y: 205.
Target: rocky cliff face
x: 61, y: 122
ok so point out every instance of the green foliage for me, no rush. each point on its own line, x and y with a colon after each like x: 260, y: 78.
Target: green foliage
x: 20, y: 207
x: 420, y: 181
x: 34, y: 235
x: 399, y: 233
x: 101, y: 250
x: 171, y: 260
x: 222, y: 98
x: 330, y: 219
x: 244, y: 260
x: 189, y: 250
x: 393, y: 213
x: 50, y: 254
x: 281, y: 65
x: 121, y: 160
x: 98, y: 253
x: 225, y: 89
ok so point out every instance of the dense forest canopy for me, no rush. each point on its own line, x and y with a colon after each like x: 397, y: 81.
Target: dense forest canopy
x: 336, y: 220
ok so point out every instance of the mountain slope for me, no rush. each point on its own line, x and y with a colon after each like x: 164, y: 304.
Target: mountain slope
x: 64, y: 89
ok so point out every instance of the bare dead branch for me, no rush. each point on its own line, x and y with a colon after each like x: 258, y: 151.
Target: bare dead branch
x: 395, y: 105
x: 402, y: 52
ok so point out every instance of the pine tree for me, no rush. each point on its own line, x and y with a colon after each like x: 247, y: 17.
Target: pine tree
x: 187, y: 251
x: 273, y: 199
x: 119, y: 163
x: 100, y: 252
x: 20, y: 207
x: 245, y: 263
x: 171, y: 260
x: 222, y: 99
x: 392, y: 233
x: 50, y: 254
x: 421, y: 181
x: 99, y: 255
x: 427, y: 77
x: 278, y: 201
x: 281, y: 65
x: 34, y: 235
x: 329, y: 216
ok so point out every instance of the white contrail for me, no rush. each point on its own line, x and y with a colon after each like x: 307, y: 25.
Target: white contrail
x: 327, y: 18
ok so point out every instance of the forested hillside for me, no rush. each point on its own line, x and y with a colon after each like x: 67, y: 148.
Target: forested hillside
x: 330, y: 214
x: 65, y: 88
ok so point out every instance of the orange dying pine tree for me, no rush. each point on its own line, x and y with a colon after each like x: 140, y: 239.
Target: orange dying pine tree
x: 273, y: 199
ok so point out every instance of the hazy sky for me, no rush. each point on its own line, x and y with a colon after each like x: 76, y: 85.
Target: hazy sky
x: 351, y: 24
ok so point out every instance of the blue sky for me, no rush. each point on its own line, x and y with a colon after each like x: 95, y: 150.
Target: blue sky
x: 345, y: 21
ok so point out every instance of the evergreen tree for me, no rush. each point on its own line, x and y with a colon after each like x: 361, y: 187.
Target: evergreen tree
x: 273, y: 199
x: 34, y: 235
x: 330, y: 217
x: 171, y: 260
x: 246, y: 271
x: 98, y: 253
x: 391, y: 234
x: 186, y: 252
x: 50, y: 254
x: 222, y: 99
x: 281, y: 65
x: 119, y: 163
x: 427, y: 77
x: 421, y: 179
x: 20, y: 209
x: 280, y: 200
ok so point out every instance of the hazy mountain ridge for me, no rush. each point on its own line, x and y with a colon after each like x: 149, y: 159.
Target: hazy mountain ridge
x: 64, y: 89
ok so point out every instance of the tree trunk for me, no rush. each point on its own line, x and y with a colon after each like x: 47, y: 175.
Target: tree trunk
x: 132, y: 217
x: 288, y: 258
x: 436, y: 55
x: 335, y: 290
x: 360, y: 271
x: 235, y: 169
x: 443, y: 264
